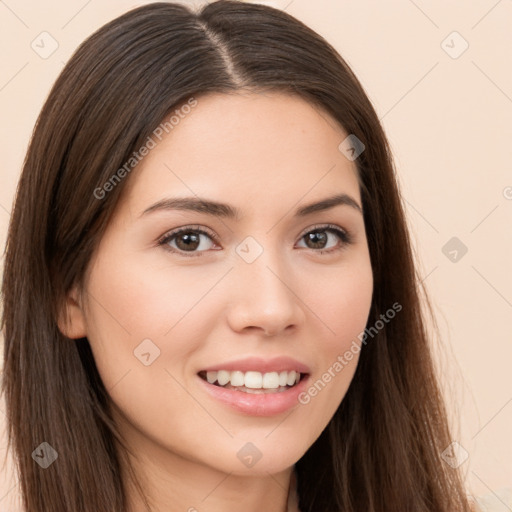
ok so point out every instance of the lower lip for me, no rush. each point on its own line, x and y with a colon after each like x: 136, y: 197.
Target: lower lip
x: 263, y: 404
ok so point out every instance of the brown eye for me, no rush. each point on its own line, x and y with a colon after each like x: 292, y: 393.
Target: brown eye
x: 320, y: 237
x: 187, y: 240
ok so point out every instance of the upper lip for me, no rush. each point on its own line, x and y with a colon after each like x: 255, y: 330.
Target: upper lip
x: 258, y: 364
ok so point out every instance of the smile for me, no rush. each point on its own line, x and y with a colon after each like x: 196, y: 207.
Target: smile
x: 253, y: 381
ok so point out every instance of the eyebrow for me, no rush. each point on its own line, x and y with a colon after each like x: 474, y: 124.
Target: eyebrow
x: 216, y: 209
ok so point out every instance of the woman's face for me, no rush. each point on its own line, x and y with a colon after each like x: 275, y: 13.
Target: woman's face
x: 251, y: 294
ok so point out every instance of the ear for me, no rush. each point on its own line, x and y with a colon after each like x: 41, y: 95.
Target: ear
x: 72, y: 319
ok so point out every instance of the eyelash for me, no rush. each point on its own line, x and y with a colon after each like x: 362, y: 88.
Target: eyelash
x: 343, y: 235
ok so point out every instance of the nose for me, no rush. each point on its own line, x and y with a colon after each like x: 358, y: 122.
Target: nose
x: 264, y: 299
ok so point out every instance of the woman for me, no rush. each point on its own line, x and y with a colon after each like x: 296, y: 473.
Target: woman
x: 209, y: 294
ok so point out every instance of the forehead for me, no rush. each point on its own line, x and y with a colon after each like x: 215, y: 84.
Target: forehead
x: 248, y: 148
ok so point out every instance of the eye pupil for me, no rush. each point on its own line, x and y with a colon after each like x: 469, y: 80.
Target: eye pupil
x: 317, y: 237
x: 191, y: 241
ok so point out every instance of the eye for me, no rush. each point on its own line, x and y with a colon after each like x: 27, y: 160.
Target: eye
x: 193, y: 240
x: 318, y: 238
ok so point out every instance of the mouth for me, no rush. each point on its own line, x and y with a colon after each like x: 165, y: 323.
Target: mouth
x: 254, y: 382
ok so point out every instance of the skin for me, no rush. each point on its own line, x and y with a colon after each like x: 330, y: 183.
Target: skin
x: 266, y: 154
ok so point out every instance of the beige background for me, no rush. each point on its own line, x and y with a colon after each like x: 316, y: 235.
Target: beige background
x: 448, y: 116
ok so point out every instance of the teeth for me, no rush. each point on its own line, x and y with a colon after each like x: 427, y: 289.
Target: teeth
x: 271, y: 380
x: 253, y: 380
x: 237, y: 379
x: 223, y: 377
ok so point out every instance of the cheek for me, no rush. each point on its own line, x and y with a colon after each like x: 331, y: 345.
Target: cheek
x: 137, y: 307
x: 136, y: 298
x: 341, y: 300
x: 141, y: 335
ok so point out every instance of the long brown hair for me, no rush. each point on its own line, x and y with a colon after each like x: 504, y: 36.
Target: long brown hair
x: 382, y: 449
